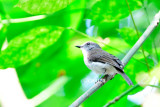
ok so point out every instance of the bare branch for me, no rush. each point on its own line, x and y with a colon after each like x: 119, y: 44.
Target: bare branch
x: 138, y: 35
x: 140, y: 41
x: 122, y: 95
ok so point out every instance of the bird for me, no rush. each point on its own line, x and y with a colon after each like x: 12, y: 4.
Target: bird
x: 102, y: 62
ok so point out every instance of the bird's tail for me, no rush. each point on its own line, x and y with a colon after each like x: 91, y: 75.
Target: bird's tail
x: 126, y: 78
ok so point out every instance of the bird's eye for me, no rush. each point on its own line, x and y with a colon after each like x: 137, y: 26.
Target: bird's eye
x: 88, y: 43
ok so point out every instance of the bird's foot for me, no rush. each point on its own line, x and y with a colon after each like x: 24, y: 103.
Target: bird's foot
x: 100, y: 80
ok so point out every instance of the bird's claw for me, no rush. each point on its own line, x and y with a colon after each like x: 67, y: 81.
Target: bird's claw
x: 99, y: 80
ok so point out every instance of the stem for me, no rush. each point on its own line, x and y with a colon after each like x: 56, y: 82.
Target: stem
x: 94, y: 88
x: 122, y: 95
x: 125, y: 60
x: 138, y: 35
x: 155, y: 48
x: 27, y: 19
x: 125, y: 93
x: 154, y: 86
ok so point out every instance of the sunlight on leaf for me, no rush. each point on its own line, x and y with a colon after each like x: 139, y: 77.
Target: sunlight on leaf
x: 28, y: 46
x: 143, y: 78
x: 43, y: 6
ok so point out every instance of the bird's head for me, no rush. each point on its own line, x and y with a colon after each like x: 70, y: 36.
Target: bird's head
x: 89, y: 46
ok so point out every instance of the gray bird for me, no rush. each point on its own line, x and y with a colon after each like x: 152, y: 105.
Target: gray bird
x: 101, y: 61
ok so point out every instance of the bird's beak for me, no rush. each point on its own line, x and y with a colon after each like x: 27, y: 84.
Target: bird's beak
x: 78, y: 46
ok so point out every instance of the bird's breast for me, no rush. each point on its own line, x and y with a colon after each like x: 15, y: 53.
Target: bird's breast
x: 86, y: 61
x: 100, y: 68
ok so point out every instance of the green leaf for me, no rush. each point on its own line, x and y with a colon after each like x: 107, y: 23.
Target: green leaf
x: 28, y: 46
x: 33, y: 76
x: 112, y: 10
x: 2, y: 35
x: 43, y: 6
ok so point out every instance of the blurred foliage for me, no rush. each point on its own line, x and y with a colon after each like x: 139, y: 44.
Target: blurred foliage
x: 26, y: 47
x: 44, y: 50
x: 109, y: 11
x: 43, y: 6
x: 130, y: 36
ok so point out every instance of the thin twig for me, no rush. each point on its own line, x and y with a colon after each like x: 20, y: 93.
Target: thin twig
x: 138, y: 35
x: 125, y: 60
x: 155, y: 48
x: 125, y: 93
x: 122, y: 95
x: 154, y: 86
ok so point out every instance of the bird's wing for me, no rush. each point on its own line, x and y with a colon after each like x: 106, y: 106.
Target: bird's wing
x: 105, y: 57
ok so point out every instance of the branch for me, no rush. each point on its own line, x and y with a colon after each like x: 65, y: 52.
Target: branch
x: 138, y: 35
x: 140, y: 41
x: 94, y: 88
x: 125, y: 60
x: 153, y: 39
x: 122, y: 95
x: 154, y: 86
x: 126, y: 92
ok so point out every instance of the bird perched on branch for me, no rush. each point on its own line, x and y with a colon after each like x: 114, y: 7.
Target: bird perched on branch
x: 101, y: 61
